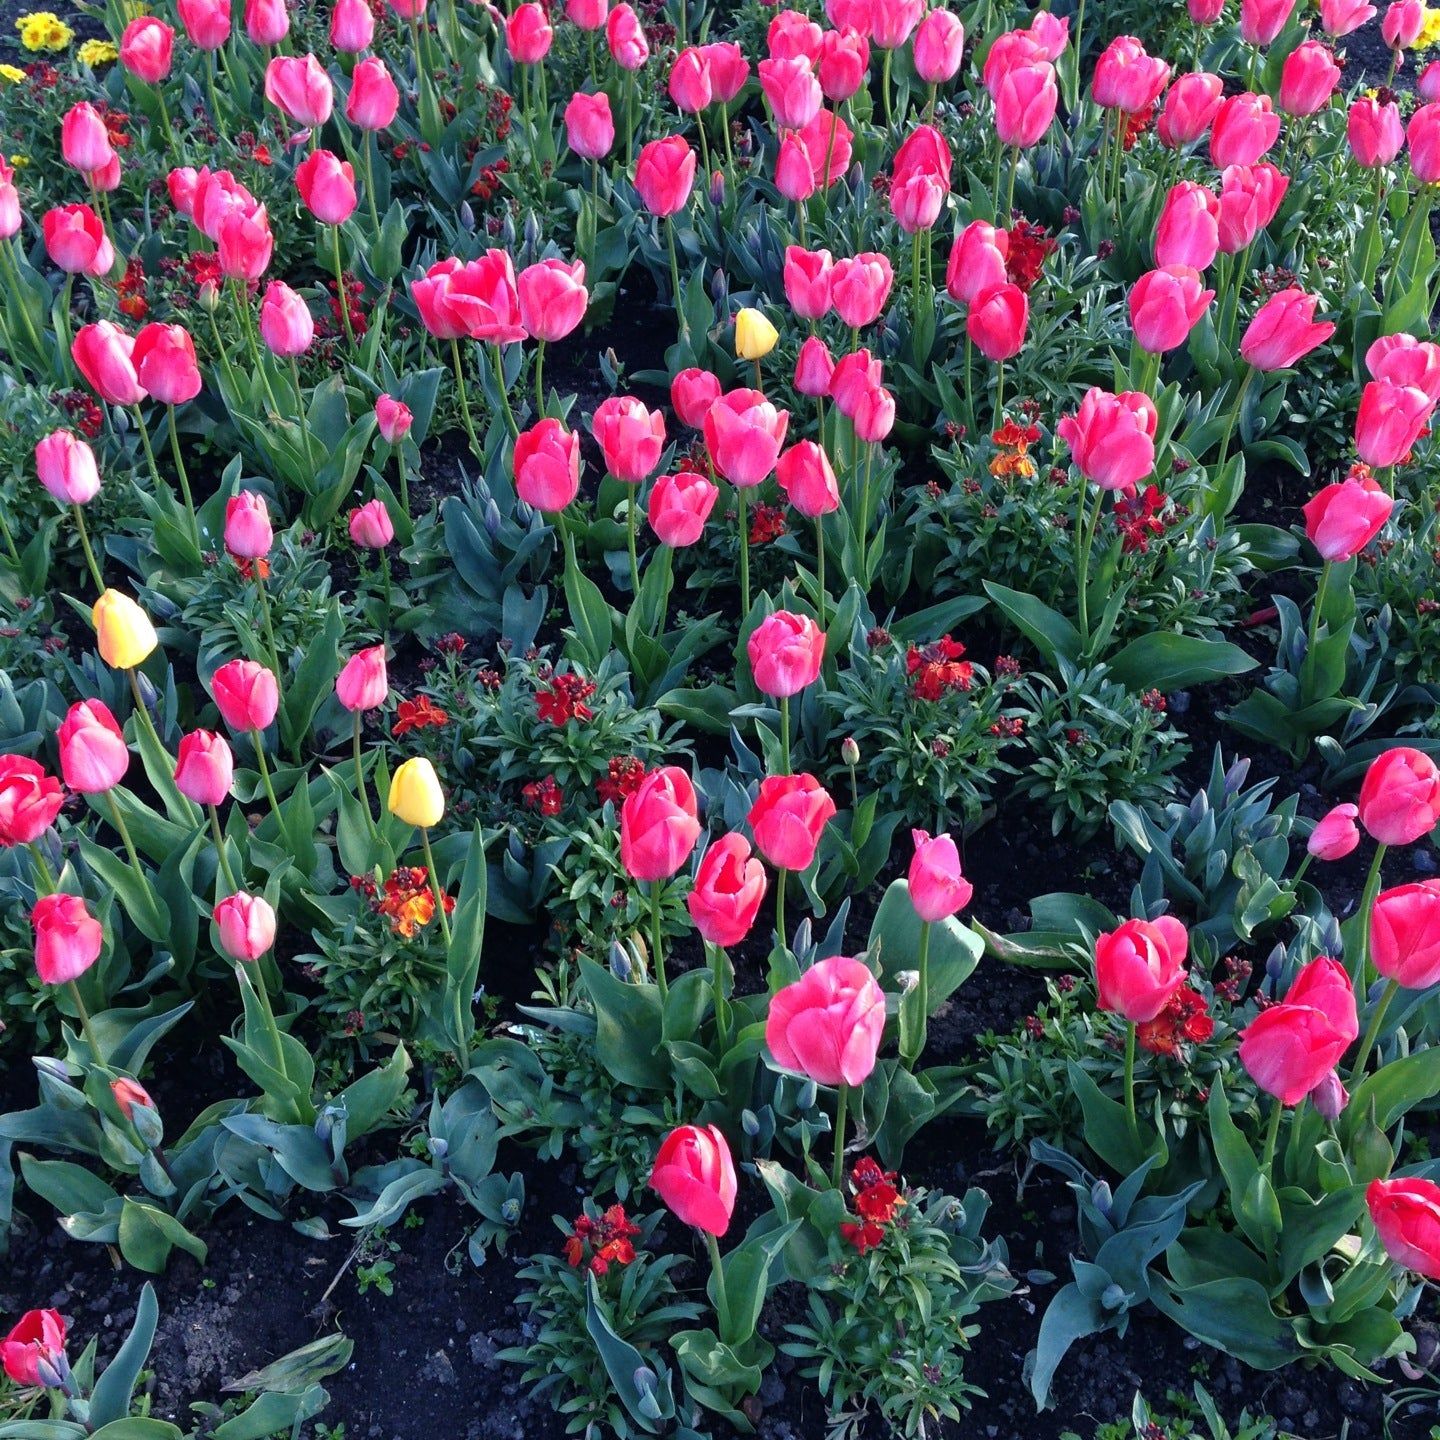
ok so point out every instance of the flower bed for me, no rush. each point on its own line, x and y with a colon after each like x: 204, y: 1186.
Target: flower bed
x: 719, y: 719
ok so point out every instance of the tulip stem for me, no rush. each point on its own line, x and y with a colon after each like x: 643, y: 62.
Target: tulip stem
x: 820, y: 595
x: 717, y: 1268
x: 123, y: 830
x: 183, y: 475
x: 142, y: 710
x: 265, y: 780
x: 785, y: 734
x: 360, y: 772
x: 435, y: 886
x: 1272, y: 1135
x: 675, y: 278
x: 17, y: 290
x: 1130, y: 1115
x: 1367, y: 909
x: 657, y: 957
x: 631, y: 506
x: 1087, y: 521
x: 370, y: 183
x: 149, y: 451
x: 744, y: 554
x: 341, y: 298
x: 1234, y: 416
x: 265, y: 620
x: 842, y: 1105
x: 45, y: 876
x: 540, y: 378
x: 304, y: 416
x: 1307, y: 669
x: 922, y: 994
x: 1372, y: 1030
x: 504, y: 393
x: 722, y: 1009
x: 96, y: 1053
x: 780, y: 878
x: 218, y: 836
x: 90, y: 561
x: 464, y: 397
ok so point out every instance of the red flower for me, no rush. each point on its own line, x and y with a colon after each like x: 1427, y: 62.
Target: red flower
x: 624, y: 777
x: 565, y: 699
x: 544, y: 795
x: 863, y: 1236
x: 1029, y: 248
x: 1184, y: 1019
x: 937, y: 669
x: 768, y: 524
x: 416, y: 714
x: 607, y: 1239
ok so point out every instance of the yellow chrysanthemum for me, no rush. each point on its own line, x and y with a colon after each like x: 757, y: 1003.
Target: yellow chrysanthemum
x: 1429, y: 30
x: 44, y: 30
x: 19, y: 162
x: 96, y: 53
x: 12, y: 73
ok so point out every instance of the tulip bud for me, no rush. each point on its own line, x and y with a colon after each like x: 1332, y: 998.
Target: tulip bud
x: 755, y: 336
x: 717, y: 189
x: 849, y: 751
x: 415, y: 794
x: 1330, y: 1097
x: 619, y: 961
x: 123, y: 632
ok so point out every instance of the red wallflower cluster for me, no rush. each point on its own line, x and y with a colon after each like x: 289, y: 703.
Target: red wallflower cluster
x: 877, y: 1202
x: 767, y: 524
x: 1030, y: 247
x: 545, y: 795
x: 936, y: 669
x: 406, y: 899
x: 1184, y: 1019
x: 599, y: 1244
x: 565, y: 699
x: 416, y: 714
x: 625, y: 772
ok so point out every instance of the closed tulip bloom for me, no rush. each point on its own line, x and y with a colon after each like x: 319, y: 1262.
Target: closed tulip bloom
x: 547, y: 465
x: 1427, y: 83
x: 10, y: 216
x: 29, y: 800
x: 1140, y: 966
x: 247, y: 694
x: 692, y: 393
x: 363, y: 682
x: 589, y: 128
x: 393, y: 419
x: 849, y: 14
x: 743, y: 435
x: 1405, y: 934
x: 794, y: 169
x: 939, y: 47
x: 679, y: 506
x: 374, y: 98
x: 785, y: 652
x: 1308, y: 79
x: 729, y: 69
x: 1025, y: 101
x: 1284, y: 331
x: 204, y: 767
x: 208, y: 197
x: 164, y: 361
x: 808, y: 479
x: 1250, y: 196
x: 874, y: 416
x: 1375, y: 131
x: 1189, y: 109
x: 755, y: 336
x: 1406, y: 1215
x: 1166, y: 305
x: 266, y: 21
x: 528, y: 35
x: 689, y: 82
x: 66, y: 467
x: 893, y: 22
x: 1244, y: 128
x: 1205, y: 12
x: 1291, y: 1047
x: 790, y: 33
x: 827, y: 1026
x: 1189, y: 228
x: 1341, y: 17
x: 1342, y: 519
x: 587, y: 14
x: 854, y: 376
x: 206, y: 22
x: 1127, y: 78
x: 1335, y: 834
x: 370, y: 525
x: 245, y: 244
x: 1400, y: 796
x: 814, y: 368
x: 791, y: 90
x: 286, y: 325
x: 1403, y: 21
x: 298, y: 86
x: 76, y: 241
x: 859, y: 288
x: 248, y: 533
x: 107, y: 178
x: 997, y: 322
x: 977, y: 262
x: 68, y: 938
x: 1262, y: 20
x: 124, y: 635
x: 38, y: 1336
x: 1406, y: 361
x: 147, y: 49
x: 1423, y: 133
x: 630, y: 437
x: 625, y: 38
x: 352, y: 28
x: 93, y: 753
x: 917, y: 198
x: 1112, y: 438
x: 128, y: 1094
x: 807, y: 281
x: 844, y: 62
x: 829, y: 157
x: 926, y: 151
x: 937, y: 888
x: 665, y: 175
x: 327, y: 186
x: 415, y: 794
x: 1390, y: 420
x: 658, y: 825
x: 1010, y: 51
x: 695, y: 1177
x: 729, y: 886
x: 84, y: 140
x: 247, y: 926
x: 553, y: 298
x: 787, y: 819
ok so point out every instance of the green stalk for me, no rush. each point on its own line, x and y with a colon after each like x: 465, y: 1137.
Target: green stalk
x: 218, y: 836
x: 842, y: 1105
x: 657, y: 958
x: 1130, y: 1115
x: 96, y: 1053
x: 90, y: 561
x: 1372, y: 1031
x: 184, y: 476
x: 464, y: 397
x: 435, y: 886
x: 265, y: 780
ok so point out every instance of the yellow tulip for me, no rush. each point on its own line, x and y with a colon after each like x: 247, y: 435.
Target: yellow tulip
x: 415, y: 794
x: 123, y: 632
x: 755, y: 336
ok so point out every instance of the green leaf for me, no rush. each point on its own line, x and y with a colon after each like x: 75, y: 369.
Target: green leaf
x: 1052, y: 634
x: 629, y: 1031
x: 148, y: 1234
x: 1166, y: 661
x: 115, y: 1389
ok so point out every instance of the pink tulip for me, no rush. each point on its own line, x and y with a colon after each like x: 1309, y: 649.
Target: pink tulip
x: 790, y: 34
x: 248, y: 534
x: 626, y: 38
x: 245, y: 244
x: 37, y: 1339
x: 247, y: 695
x: 1189, y: 229
x: 479, y: 299
x: 1375, y: 131
x: 792, y: 91
x: 370, y: 525
x: 363, y: 682
x: 299, y: 88
x: 829, y: 157
x: 1284, y: 331
x: 327, y: 186
x: 997, y: 321
x: 787, y: 819
x: 814, y: 367
x: 553, y: 298
x: 692, y: 393
x: 937, y: 888
x: 286, y: 325
x: 1342, y: 519
x: 1390, y: 420
x: 729, y: 69
x: 679, y: 506
x: 1140, y: 966
x: 853, y: 377
x: 589, y: 129
x: 1166, y: 305
x: 1341, y: 17
x: 1261, y: 21
x: 807, y: 281
x: 1423, y: 135
x: 1308, y: 79
x: 374, y: 98
x: 844, y: 63
x: 665, y: 175
x: 859, y: 288
x: 1189, y: 109
x: 977, y: 262
x: 806, y: 476
x: 75, y: 240
x: 93, y: 753
x: 892, y: 22
x: 1405, y: 934
x: 587, y: 14
x: 630, y: 437
x: 204, y: 767
x: 658, y: 825
x: 828, y: 1025
x: 1244, y: 128
x: 1126, y: 78
x: 68, y: 941
x: 786, y: 651
x: 1112, y: 438
x: 352, y: 28
x: 939, y: 47
x: 528, y: 35
x: 1403, y: 20
x: 1406, y: 1215
x: 206, y: 22
x: 1427, y: 83
x: 1291, y: 1047
x: 147, y: 49
x: 67, y: 469
x: 1025, y: 101
x: 393, y: 419
x: 164, y: 361
x: 102, y: 353
x: 1335, y: 834
x: 1250, y: 197
x: 729, y: 886
x: 547, y: 465
x: 695, y: 1177
x: 1400, y: 796
x: 689, y: 83
x: 267, y: 22
x: 84, y: 140
x: 743, y: 435
x: 1406, y: 361
x: 247, y: 926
